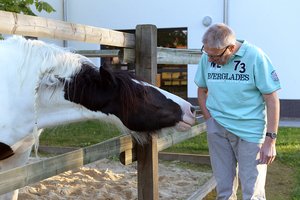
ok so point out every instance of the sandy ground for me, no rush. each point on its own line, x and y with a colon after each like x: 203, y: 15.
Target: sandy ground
x: 110, y: 180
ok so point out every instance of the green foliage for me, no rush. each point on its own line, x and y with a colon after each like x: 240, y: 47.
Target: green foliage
x: 23, y: 6
x: 40, y: 5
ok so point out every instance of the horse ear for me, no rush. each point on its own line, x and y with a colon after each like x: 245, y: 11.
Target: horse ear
x: 107, y: 76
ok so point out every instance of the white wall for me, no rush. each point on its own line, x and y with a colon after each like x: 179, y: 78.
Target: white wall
x: 164, y: 14
x: 271, y: 25
x: 115, y: 14
x: 274, y: 26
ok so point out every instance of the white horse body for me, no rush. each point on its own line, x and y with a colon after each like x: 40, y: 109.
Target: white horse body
x: 25, y: 104
x: 32, y: 96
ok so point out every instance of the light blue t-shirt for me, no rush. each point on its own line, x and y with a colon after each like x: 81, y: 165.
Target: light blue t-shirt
x: 235, y: 91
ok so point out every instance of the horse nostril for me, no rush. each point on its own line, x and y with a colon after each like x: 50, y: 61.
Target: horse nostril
x: 5, y: 151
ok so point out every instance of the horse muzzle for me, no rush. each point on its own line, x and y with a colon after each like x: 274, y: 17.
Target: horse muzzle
x: 5, y: 151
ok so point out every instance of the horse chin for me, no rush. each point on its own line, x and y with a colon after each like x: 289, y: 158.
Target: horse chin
x: 182, y: 126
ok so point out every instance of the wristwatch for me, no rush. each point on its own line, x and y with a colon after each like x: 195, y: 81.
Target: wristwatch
x: 271, y: 135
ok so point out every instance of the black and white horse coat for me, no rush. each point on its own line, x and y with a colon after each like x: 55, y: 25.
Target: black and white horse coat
x: 44, y: 85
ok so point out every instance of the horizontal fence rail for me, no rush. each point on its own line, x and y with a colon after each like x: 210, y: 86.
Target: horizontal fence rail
x: 100, y: 53
x: 19, y: 24
x: 178, y: 56
x: 22, y: 176
x: 164, y: 55
x: 13, y: 23
x: 125, y: 55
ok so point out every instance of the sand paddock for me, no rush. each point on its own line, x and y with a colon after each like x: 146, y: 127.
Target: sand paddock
x: 110, y: 180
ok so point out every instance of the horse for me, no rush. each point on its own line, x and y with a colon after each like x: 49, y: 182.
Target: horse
x: 43, y: 85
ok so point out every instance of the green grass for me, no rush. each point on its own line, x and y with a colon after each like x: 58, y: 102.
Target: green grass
x: 88, y: 133
x: 196, y: 145
x: 78, y: 134
x: 288, y: 153
x: 288, y: 150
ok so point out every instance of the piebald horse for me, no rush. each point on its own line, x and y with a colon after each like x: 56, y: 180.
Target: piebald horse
x: 43, y: 85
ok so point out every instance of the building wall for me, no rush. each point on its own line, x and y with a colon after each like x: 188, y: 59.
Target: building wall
x: 271, y: 25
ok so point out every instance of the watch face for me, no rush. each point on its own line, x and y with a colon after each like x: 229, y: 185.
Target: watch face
x: 272, y: 135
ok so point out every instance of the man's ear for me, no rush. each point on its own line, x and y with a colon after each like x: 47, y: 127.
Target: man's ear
x: 231, y: 48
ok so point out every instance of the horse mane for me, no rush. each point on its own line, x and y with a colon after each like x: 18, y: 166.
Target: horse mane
x: 50, y: 63
x: 132, y: 88
x: 56, y: 61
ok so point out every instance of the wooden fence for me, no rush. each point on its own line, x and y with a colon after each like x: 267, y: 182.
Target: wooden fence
x: 141, y: 49
x: 22, y: 176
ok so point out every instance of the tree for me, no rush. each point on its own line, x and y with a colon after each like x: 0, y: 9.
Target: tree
x: 23, y: 6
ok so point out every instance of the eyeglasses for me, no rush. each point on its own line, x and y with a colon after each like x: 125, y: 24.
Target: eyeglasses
x: 213, y: 56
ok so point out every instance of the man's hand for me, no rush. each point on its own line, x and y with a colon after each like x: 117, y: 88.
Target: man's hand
x: 268, y: 151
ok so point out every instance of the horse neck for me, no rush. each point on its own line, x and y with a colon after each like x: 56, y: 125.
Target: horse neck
x: 25, y: 67
x: 53, y: 109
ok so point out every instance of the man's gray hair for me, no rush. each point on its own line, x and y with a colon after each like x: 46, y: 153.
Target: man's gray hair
x: 218, y: 36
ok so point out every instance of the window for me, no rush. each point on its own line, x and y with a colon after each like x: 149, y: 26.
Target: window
x: 172, y: 78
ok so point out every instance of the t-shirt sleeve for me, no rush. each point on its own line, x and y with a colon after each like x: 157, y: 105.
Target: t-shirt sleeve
x: 200, y: 74
x: 266, y: 79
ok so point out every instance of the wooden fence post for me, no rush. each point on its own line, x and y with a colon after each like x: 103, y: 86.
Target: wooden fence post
x: 147, y: 166
x: 147, y: 155
x: 146, y: 52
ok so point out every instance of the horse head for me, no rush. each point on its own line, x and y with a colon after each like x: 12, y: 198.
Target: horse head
x: 46, y: 86
x: 140, y: 106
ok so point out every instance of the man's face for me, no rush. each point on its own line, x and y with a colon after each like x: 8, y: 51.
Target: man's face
x: 218, y: 56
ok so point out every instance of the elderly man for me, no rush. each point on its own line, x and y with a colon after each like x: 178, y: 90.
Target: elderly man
x: 237, y: 87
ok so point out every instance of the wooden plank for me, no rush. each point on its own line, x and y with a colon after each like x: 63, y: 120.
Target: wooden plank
x: 125, y: 55
x: 99, y: 53
x: 56, y: 150
x: 178, y: 56
x: 191, y: 158
x: 147, y: 154
x: 147, y: 165
x: 204, y: 190
x: 129, y: 156
x: 22, y: 176
x: 164, y: 55
x: 170, y: 137
x: 19, y: 24
x: 167, y: 139
x: 146, y: 52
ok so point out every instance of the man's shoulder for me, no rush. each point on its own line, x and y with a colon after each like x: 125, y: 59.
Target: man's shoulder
x: 251, y: 50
